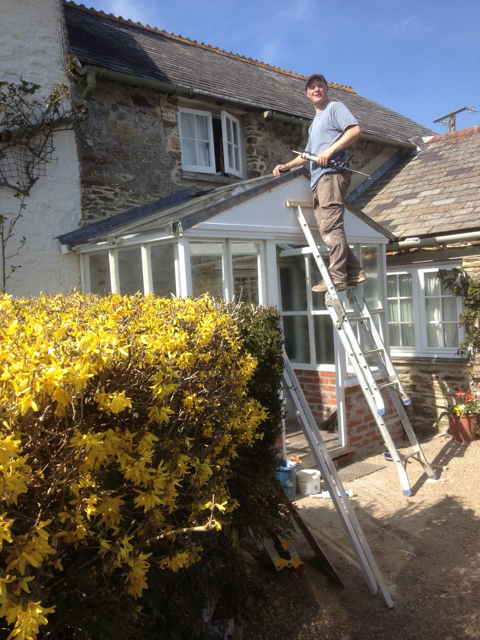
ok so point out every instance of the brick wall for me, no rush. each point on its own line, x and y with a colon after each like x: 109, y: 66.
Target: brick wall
x: 319, y: 390
x: 362, y: 431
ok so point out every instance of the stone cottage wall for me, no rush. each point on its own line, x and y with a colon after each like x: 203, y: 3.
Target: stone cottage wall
x: 431, y: 385
x: 129, y: 147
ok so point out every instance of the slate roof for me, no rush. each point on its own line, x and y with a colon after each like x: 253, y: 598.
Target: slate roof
x: 186, y: 209
x: 103, y: 40
x: 433, y: 192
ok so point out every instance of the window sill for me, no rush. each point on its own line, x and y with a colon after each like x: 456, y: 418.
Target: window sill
x: 210, y: 177
x: 428, y: 359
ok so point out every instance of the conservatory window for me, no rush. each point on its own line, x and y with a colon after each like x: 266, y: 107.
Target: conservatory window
x: 162, y: 259
x: 208, y: 266
x: 307, y: 325
x: 246, y: 263
x: 99, y: 273
x: 130, y: 271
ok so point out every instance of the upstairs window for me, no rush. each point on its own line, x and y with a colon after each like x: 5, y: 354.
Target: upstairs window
x: 211, y: 143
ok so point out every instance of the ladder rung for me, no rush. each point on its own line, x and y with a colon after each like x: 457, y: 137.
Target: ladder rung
x: 370, y: 351
x: 387, y: 384
x: 356, y: 318
x: 392, y: 421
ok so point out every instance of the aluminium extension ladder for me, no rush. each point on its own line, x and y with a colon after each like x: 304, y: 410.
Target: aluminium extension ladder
x: 362, y: 343
x: 335, y: 488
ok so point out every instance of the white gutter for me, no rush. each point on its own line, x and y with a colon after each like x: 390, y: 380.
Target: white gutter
x: 411, y: 243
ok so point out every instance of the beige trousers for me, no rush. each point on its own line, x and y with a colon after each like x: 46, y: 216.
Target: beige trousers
x: 329, y: 208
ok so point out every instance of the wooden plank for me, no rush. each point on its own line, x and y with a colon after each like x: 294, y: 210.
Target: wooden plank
x: 326, y: 566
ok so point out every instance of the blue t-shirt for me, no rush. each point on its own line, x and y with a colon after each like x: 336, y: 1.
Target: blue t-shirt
x: 327, y: 126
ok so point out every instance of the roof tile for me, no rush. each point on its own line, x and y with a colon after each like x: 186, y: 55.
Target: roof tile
x: 124, y: 46
x: 433, y: 191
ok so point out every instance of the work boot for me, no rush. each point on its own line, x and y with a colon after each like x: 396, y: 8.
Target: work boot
x: 322, y: 286
x: 354, y: 280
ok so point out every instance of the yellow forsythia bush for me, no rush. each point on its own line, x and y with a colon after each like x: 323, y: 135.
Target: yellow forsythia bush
x: 119, y: 418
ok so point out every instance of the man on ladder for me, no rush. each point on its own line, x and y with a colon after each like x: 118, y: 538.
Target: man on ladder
x: 333, y: 129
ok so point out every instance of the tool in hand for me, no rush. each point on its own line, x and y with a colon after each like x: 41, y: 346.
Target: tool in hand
x: 334, y: 164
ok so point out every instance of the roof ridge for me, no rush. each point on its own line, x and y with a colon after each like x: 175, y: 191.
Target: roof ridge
x: 202, y: 45
x: 453, y: 134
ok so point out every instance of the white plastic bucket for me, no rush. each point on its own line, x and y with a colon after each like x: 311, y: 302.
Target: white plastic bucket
x: 308, y: 481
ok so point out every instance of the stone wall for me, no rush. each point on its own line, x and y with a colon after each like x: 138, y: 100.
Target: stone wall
x: 431, y: 385
x: 130, y: 154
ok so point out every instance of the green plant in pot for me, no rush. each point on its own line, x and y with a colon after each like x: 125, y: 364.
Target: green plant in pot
x: 462, y: 416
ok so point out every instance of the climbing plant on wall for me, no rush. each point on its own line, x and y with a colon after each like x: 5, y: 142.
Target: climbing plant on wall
x: 27, y: 124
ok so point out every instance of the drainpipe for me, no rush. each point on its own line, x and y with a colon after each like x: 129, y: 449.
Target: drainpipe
x: 92, y: 73
x: 297, y: 122
x: 414, y: 243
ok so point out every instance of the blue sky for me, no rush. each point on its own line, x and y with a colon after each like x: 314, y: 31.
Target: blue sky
x: 420, y: 58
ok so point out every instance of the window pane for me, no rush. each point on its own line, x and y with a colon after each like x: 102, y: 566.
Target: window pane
x: 206, y: 259
x: 163, y: 269
x: 297, y: 344
x: 434, y: 335
x: 130, y: 270
x: 408, y: 335
x: 449, y: 309
x: 318, y: 299
x: 202, y: 127
x: 406, y: 310
x: 392, y: 291
x: 188, y: 125
x: 432, y: 306
x: 372, y: 267
x: 405, y: 285
x: 451, y: 335
x: 245, y: 262
x: 190, y: 152
x: 203, y: 154
x: 324, y: 349
x: 393, y: 310
x: 394, y: 333
x: 235, y: 133
x: 431, y: 284
x: 99, y: 273
x: 292, y: 284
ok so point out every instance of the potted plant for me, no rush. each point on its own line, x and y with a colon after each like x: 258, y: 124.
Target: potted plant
x: 462, y: 416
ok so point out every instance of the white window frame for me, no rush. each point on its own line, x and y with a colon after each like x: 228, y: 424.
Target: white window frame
x: 229, y: 124
x: 196, y: 167
x: 421, y: 348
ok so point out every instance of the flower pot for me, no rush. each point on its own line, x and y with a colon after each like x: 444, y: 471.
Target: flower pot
x: 463, y: 429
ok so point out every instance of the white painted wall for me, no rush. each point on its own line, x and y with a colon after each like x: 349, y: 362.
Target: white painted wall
x: 32, y: 47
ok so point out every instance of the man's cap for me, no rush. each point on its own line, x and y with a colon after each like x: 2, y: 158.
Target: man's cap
x: 315, y: 75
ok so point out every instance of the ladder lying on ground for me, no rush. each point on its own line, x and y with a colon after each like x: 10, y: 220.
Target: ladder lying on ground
x: 362, y: 343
